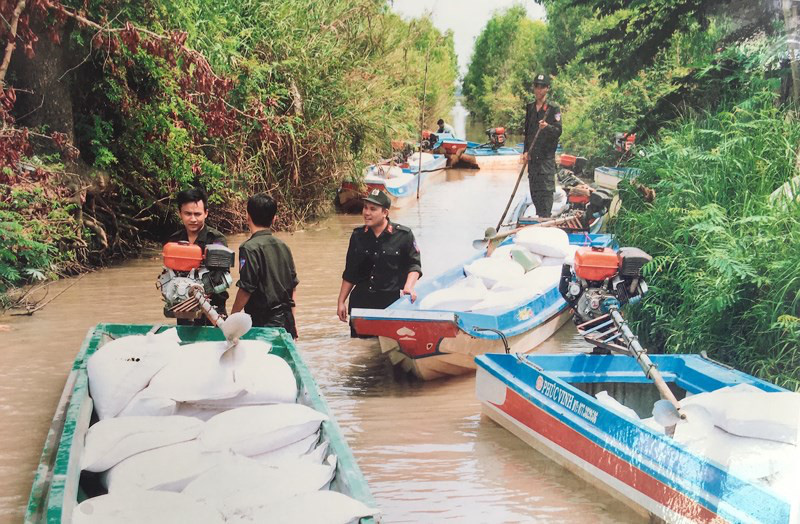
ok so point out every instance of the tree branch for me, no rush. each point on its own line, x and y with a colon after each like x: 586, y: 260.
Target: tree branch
x: 11, y: 45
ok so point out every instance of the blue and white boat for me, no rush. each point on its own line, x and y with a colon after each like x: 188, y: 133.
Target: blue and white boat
x: 548, y: 401
x: 485, y: 156
x: 432, y: 343
x: 399, y: 181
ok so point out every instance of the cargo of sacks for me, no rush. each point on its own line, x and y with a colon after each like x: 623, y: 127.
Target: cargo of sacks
x: 514, y: 273
x: 205, y: 432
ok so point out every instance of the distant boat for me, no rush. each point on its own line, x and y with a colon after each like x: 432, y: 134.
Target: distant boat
x: 448, y: 145
x: 549, y: 402
x: 436, y: 343
x: 487, y: 157
x: 399, y: 181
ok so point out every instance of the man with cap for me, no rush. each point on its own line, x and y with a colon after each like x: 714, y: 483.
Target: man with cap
x: 543, y: 118
x: 383, y: 261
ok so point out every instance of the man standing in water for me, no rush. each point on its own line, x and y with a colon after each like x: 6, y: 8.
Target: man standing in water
x: 543, y: 124
x: 383, y: 262
x: 193, y: 211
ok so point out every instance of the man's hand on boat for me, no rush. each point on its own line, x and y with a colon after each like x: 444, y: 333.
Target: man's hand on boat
x: 410, y: 292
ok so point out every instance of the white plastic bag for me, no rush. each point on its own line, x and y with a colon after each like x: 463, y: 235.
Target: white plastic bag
x: 319, y: 507
x: 253, y: 430
x: 169, y: 468
x: 113, y: 440
x: 491, y: 270
x: 150, y: 507
x: 543, y: 241
x: 123, y: 367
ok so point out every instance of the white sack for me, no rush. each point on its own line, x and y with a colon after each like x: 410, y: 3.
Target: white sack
x: 544, y: 241
x: 553, y: 261
x: 607, y: 401
x: 150, y: 507
x: 537, y: 281
x: 169, y: 468
x: 242, y: 486
x: 288, y: 453
x: 319, y: 507
x: 504, y: 299
x: 502, y: 251
x: 459, y: 297
x: 491, y: 270
x: 113, y: 440
x: 569, y: 258
x: 123, y: 367
x: 748, y: 411
x: 265, y: 378
x: 254, y: 430
x: 197, y: 373
x: 190, y: 410
x: 144, y: 404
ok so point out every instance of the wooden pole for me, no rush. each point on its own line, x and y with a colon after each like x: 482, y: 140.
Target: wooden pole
x: 422, y: 119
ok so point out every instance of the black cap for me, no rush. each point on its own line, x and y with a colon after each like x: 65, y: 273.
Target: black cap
x: 378, y: 197
x: 542, y: 79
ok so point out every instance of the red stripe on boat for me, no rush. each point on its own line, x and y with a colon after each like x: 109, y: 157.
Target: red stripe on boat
x: 567, y: 438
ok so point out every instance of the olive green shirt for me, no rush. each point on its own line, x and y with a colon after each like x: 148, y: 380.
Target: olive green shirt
x: 267, y: 272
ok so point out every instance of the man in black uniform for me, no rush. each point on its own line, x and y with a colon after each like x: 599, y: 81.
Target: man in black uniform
x: 544, y: 118
x: 193, y: 210
x: 383, y: 261
x: 267, y: 276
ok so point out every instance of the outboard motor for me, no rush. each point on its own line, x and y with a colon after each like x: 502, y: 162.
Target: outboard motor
x: 428, y: 140
x: 186, y: 269
x: 497, y: 137
x: 603, y: 279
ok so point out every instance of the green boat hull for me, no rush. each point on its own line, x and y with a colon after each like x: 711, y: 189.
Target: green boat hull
x: 56, y: 490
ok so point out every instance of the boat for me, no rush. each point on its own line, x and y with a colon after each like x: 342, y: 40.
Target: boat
x: 486, y: 156
x: 449, y: 146
x: 524, y: 214
x: 399, y: 181
x: 435, y: 343
x: 548, y: 401
x: 57, y: 486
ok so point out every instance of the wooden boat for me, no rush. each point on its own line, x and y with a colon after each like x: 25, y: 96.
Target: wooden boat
x: 436, y: 343
x: 547, y: 401
x: 399, y: 181
x: 486, y: 157
x: 449, y: 146
x: 57, y: 485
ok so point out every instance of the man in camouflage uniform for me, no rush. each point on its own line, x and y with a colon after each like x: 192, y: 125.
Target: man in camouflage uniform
x: 544, y: 118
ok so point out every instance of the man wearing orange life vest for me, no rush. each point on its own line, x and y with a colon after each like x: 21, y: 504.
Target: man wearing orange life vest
x: 544, y: 118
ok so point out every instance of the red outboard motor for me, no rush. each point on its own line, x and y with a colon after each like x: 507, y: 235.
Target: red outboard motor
x: 602, y: 279
x: 497, y: 137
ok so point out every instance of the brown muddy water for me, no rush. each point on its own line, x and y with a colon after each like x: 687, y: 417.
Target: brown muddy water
x: 425, y: 449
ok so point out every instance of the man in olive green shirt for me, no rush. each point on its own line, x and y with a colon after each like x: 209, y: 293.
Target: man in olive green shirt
x: 193, y: 211
x: 267, y: 276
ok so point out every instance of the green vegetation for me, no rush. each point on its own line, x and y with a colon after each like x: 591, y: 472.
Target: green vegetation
x: 707, y: 88
x: 237, y: 96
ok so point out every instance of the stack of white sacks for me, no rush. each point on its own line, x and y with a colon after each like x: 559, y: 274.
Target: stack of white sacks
x: 199, y: 434
x: 750, y: 433
x: 513, y: 275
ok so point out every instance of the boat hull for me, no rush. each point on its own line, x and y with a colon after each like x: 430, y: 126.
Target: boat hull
x: 545, y: 400
x: 436, y: 343
x: 456, y: 355
x: 56, y: 489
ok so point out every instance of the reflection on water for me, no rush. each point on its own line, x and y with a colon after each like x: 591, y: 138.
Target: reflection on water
x: 425, y: 449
